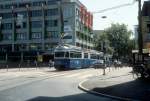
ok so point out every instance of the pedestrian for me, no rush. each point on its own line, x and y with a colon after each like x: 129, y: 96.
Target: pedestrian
x: 50, y: 63
x: 35, y: 62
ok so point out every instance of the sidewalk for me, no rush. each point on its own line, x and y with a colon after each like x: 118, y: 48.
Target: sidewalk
x: 119, y: 84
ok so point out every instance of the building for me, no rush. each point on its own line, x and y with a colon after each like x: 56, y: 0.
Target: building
x: 146, y: 24
x: 37, y: 25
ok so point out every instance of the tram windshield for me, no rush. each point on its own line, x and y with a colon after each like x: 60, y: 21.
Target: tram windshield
x: 62, y: 54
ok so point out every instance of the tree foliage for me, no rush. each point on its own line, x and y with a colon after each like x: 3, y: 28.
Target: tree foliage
x: 118, y: 37
x: 103, y: 44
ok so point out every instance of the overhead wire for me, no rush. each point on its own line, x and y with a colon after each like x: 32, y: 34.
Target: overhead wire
x: 115, y: 7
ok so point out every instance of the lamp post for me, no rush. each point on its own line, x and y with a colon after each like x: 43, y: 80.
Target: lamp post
x: 140, y: 37
x: 0, y: 21
x: 1, y: 28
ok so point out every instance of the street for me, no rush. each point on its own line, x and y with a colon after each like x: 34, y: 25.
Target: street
x: 46, y: 85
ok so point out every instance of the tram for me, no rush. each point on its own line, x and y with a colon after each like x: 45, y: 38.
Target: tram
x: 73, y: 57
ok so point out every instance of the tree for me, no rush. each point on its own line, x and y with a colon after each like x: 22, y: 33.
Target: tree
x: 103, y: 44
x: 117, y: 39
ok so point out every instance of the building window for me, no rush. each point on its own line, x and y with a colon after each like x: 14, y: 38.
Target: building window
x: 24, y: 25
x: 21, y: 25
x: 38, y: 3
x: 52, y: 2
x: 148, y: 27
x: 51, y: 12
x: 1, y: 7
x: 24, y: 4
x: 51, y: 23
x: 6, y: 15
x: 77, y: 12
x: 21, y: 36
x: 36, y: 13
x: 7, y: 36
x: 52, y: 34
x: 68, y: 13
x: 6, y: 26
x: 77, y: 24
x: 7, y: 6
x: 36, y: 35
x: 23, y: 13
x: 36, y: 24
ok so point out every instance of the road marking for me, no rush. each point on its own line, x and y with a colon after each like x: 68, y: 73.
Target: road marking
x: 68, y: 76
x: 85, y: 76
x: 82, y: 75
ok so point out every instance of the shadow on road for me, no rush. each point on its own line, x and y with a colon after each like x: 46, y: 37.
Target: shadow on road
x: 137, y: 89
x: 77, y: 97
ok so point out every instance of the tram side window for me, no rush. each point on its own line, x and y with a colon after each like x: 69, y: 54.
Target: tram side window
x: 75, y: 55
x: 101, y: 57
x: 67, y: 54
x: 94, y: 56
x: 78, y: 55
x: 71, y: 55
x: 59, y: 54
x: 85, y: 55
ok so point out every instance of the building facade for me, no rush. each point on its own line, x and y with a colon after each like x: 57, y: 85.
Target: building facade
x: 146, y: 24
x: 36, y: 25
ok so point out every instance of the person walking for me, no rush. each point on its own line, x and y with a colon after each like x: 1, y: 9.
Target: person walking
x: 51, y: 63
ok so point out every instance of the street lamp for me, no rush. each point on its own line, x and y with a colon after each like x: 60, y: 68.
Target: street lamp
x: 104, y: 17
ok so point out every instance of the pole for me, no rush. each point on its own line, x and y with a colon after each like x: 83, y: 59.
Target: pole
x: 61, y: 23
x: 140, y: 36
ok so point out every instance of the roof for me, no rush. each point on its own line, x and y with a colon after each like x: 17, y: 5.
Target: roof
x: 67, y: 47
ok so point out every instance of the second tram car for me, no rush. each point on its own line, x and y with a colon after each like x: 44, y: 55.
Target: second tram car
x: 72, y: 57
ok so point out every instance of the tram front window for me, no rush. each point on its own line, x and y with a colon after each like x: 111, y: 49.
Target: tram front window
x: 59, y: 54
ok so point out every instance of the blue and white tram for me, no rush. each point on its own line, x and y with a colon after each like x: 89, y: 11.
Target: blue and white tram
x: 72, y: 57
x: 96, y: 58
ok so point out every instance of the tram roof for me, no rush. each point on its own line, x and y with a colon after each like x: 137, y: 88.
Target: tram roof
x: 67, y: 47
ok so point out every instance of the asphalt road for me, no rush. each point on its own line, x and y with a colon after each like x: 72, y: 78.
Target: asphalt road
x: 46, y: 85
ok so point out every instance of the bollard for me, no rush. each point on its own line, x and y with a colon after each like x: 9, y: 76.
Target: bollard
x: 104, y: 71
x: 36, y: 65
x: 7, y: 67
x: 28, y: 63
x: 19, y: 67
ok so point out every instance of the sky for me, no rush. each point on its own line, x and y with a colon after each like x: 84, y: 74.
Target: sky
x: 127, y: 15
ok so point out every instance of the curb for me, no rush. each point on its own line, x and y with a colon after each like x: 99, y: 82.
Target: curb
x: 102, y: 94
